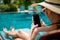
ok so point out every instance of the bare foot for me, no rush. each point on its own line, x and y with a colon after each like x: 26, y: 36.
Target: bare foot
x: 6, y: 32
x: 12, y: 28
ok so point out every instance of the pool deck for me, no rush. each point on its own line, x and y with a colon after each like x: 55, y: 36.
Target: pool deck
x: 28, y: 10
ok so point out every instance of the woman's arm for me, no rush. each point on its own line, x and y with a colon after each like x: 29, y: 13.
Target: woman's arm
x: 48, y: 29
x: 40, y: 29
x: 32, y: 29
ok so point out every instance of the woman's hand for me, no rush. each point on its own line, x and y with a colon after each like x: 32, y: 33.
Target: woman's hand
x: 33, y: 27
x: 36, y: 26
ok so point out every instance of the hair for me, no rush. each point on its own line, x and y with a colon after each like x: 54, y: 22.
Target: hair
x: 36, y: 19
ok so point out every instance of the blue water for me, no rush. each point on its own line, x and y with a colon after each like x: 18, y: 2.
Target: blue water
x: 18, y: 20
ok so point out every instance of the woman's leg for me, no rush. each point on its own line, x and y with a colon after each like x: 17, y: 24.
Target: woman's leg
x: 6, y: 32
x: 23, y: 35
x: 9, y: 33
x: 12, y: 29
x: 20, y: 34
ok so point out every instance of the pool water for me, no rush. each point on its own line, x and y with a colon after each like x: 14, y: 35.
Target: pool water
x: 18, y: 20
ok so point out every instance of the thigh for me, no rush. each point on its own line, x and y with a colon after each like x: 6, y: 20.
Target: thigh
x: 23, y: 35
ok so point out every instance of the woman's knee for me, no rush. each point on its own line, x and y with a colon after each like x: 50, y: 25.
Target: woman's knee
x: 36, y: 30
x: 20, y: 31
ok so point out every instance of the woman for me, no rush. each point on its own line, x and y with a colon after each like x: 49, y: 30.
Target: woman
x: 52, y: 11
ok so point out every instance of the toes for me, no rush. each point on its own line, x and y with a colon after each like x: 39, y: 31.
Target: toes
x: 12, y: 28
x: 4, y: 29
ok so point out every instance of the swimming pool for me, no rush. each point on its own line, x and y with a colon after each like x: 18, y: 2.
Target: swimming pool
x: 18, y: 20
